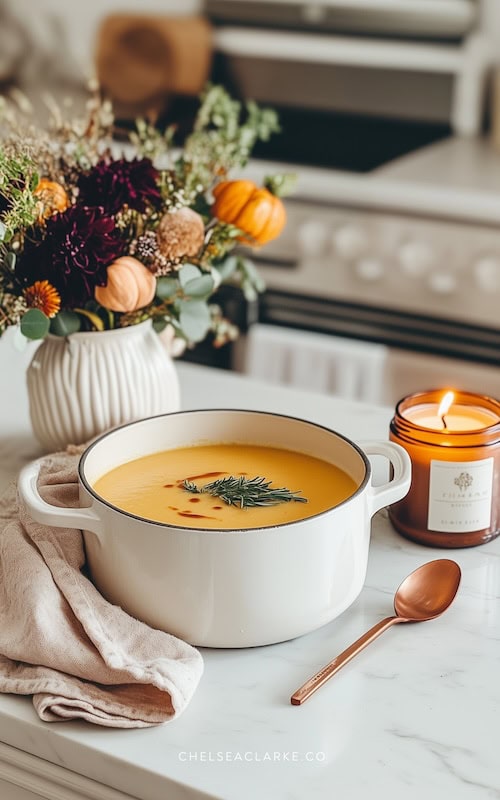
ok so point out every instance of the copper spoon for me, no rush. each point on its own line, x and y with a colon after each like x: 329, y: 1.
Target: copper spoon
x: 423, y: 595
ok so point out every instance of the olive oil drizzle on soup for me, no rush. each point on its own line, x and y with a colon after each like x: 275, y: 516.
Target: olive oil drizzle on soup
x: 152, y: 486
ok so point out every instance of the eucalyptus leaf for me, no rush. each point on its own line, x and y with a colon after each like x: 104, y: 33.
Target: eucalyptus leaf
x: 250, y: 272
x: 92, y: 317
x: 227, y: 267
x: 159, y: 324
x: 179, y: 333
x: 194, y: 319
x: 10, y: 260
x: 199, y: 287
x: 2, y: 231
x: 187, y: 272
x: 34, y: 324
x: 216, y: 277
x: 166, y: 287
x: 65, y: 323
x: 249, y: 291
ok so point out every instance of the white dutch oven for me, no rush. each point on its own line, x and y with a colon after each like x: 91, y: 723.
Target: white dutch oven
x: 227, y: 588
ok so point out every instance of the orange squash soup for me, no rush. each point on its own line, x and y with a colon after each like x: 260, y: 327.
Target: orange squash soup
x: 225, y: 486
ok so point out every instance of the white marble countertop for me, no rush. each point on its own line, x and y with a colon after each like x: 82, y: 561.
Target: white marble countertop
x: 417, y: 714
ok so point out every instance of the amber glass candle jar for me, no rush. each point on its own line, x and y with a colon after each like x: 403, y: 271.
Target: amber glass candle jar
x: 454, y: 497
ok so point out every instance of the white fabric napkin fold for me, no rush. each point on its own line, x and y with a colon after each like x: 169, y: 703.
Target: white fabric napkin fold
x: 62, y: 642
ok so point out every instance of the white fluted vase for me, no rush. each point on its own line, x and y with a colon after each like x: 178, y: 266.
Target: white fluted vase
x: 86, y: 383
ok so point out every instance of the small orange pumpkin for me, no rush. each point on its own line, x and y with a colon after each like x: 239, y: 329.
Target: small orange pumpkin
x: 52, y: 197
x: 256, y: 211
x: 130, y: 286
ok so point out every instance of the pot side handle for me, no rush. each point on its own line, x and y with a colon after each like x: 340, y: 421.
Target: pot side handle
x: 40, y: 511
x: 398, y: 486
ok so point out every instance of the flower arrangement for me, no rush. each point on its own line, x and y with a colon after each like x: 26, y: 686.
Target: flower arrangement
x: 96, y: 235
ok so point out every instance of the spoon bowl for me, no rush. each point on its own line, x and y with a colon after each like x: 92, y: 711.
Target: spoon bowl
x: 422, y: 596
x: 428, y: 591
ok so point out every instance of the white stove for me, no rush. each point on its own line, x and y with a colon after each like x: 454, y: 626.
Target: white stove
x: 392, y: 238
x: 420, y: 235
x: 443, y: 19
x: 407, y: 257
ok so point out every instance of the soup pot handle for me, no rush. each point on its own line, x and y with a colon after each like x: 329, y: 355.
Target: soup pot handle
x: 47, y: 514
x: 399, y: 484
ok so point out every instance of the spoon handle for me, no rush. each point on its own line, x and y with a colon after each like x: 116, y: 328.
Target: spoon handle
x: 321, y: 677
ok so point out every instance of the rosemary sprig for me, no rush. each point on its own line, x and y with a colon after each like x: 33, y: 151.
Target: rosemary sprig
x: 245, y: 492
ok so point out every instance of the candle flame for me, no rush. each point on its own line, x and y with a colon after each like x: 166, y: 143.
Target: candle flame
x: 445, y: 404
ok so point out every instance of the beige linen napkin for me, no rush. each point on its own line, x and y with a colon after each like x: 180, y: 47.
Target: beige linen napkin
x: 62, y: 642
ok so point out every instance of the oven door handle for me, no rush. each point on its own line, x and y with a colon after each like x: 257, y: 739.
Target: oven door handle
x: 398, y: 484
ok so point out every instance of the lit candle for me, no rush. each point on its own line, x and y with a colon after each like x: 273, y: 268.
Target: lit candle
x: 453, y: 440
x: 451, y: 416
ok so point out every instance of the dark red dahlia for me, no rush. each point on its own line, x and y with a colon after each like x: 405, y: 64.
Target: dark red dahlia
x: 113, y: 184
x: 73, y: 255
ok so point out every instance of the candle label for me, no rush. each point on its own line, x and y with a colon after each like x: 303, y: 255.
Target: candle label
x: 460, y: 494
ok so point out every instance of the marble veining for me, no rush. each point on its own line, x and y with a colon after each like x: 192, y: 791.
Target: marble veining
x: 415, y: 715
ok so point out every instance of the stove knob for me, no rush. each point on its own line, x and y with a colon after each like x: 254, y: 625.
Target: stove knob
x: 415, y: 257
x: 369, y: 269
x: 487, y: 273
x: 313, y: 13
x: 442, y: 282
x: 350, y: 242
x: 312, y: 237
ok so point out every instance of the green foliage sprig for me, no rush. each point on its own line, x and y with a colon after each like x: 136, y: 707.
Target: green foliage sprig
x: 245, y: 492
x: 18, y: 180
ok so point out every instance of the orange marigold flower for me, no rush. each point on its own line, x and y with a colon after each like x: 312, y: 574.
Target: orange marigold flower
x: 44, y: 296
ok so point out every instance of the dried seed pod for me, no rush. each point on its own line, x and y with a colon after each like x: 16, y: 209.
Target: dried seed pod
x: 146, y: 249
x: 180, y: 233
